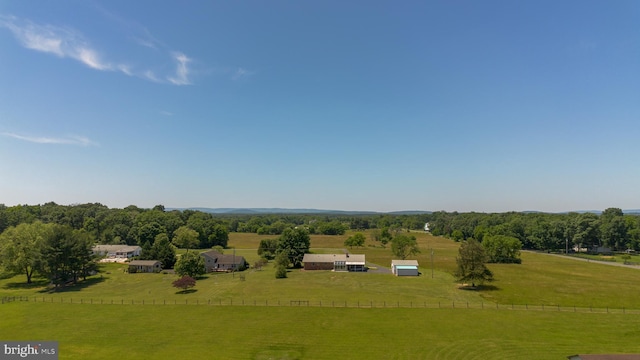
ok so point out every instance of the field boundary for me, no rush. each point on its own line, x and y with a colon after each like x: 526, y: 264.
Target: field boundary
x: 320, y: 303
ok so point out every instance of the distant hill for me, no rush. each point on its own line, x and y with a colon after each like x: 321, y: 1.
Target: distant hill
x: 259, y: 211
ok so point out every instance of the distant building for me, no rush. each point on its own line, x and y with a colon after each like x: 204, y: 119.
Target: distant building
x: 335, y: 262
x: 215, y: 261
x: 117, y: 251
x: 426, y: 227
x: 145, y: 266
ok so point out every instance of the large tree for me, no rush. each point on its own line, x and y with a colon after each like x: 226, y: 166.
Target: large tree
x: 502, y: 249
x: 164, y: 251
x: 296, y: 243
x: 67, y: 255
x: 356, y: 239
x: 190, y: 263
x: 185, y: 238
x: 267, y: 248
x: 21, y: 248
x: 471, y: 263
x: 614, y: 229
x: 404, y: 245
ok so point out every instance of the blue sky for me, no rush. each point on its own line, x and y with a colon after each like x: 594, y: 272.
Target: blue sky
x: 363, y: 105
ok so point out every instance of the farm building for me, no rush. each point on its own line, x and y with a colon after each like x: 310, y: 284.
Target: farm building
x: 335, y: 262
x: 404, y: 267
x: 145, y: 266
x: 215, y: 261
x: 117, y: 251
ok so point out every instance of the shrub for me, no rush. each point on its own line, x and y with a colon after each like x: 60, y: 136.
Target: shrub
x: 281, y: 272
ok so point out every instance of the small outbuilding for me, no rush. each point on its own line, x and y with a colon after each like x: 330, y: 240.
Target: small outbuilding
x: 145, y: 266
x: 404, y: 267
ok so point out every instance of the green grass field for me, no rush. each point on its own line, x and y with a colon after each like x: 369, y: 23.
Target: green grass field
x: 431, y: 322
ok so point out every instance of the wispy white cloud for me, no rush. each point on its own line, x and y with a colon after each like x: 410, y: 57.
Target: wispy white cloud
x: 69, y: 43
x: 149, y: 75
x: 242, y: 73
x: 181, y: 76
x: 70, y: 140
x: 166, y: 113
x: 60, y: 41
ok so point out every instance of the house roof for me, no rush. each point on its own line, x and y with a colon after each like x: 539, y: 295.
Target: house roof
x: 404, y: 262
x: 225, y: 259
x: 115, y: 248
x: 211, y: 253
x: 349, y: 259
x: 144, y: 262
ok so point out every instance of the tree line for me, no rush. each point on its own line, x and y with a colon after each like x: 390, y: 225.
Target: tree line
x: 544, y: 231
x: 137, y: 226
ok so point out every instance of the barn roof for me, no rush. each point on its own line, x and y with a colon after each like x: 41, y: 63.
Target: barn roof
x: 349, y: 259
x: 404, y: 262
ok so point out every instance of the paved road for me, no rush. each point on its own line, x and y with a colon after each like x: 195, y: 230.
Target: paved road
x: 611, y: 263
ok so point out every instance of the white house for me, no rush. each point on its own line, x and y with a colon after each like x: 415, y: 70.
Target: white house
x: 117, y: 251
x: 426, y: 227
x: 404, y: 267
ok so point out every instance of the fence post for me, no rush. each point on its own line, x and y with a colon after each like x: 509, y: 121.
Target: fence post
x: 558, y: 307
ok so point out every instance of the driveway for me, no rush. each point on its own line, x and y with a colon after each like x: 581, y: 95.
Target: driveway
x: 378, y: 269
x: 611, y: 263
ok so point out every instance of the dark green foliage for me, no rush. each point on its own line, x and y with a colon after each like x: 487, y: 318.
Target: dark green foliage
x: 470, y: 263
x: 67, y: 255
x: 404, y: 245
x: 502, y: 249
x: 281, y: 272
x: 268, y: 248
x: 356, y: 239
x: 282, y: 259
x: 329, y: 228
x: 190, y: 263
x: 295, y: 243
x: 163, y: 251
x: 185, y: 238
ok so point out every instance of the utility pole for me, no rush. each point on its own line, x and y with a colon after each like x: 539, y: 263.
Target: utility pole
x: 432, y: 263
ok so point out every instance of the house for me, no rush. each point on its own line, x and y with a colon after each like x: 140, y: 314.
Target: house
x: 335, y: 262
x: 145, y: 266
x: 404, y: 267
x: 426, y: 227
x: 604, y: 357
x: 215, y: 261
x: 601, y: 250
x: 117, y: 251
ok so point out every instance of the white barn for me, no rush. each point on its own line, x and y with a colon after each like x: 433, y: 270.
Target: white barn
x: 404, y: 267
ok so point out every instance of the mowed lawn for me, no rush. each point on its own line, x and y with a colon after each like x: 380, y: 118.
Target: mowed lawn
x: 364, y: 315
x: 234, y: 332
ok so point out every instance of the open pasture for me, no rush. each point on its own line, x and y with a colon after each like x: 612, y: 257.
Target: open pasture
x: 234, y: 332
x: 418, y: 329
